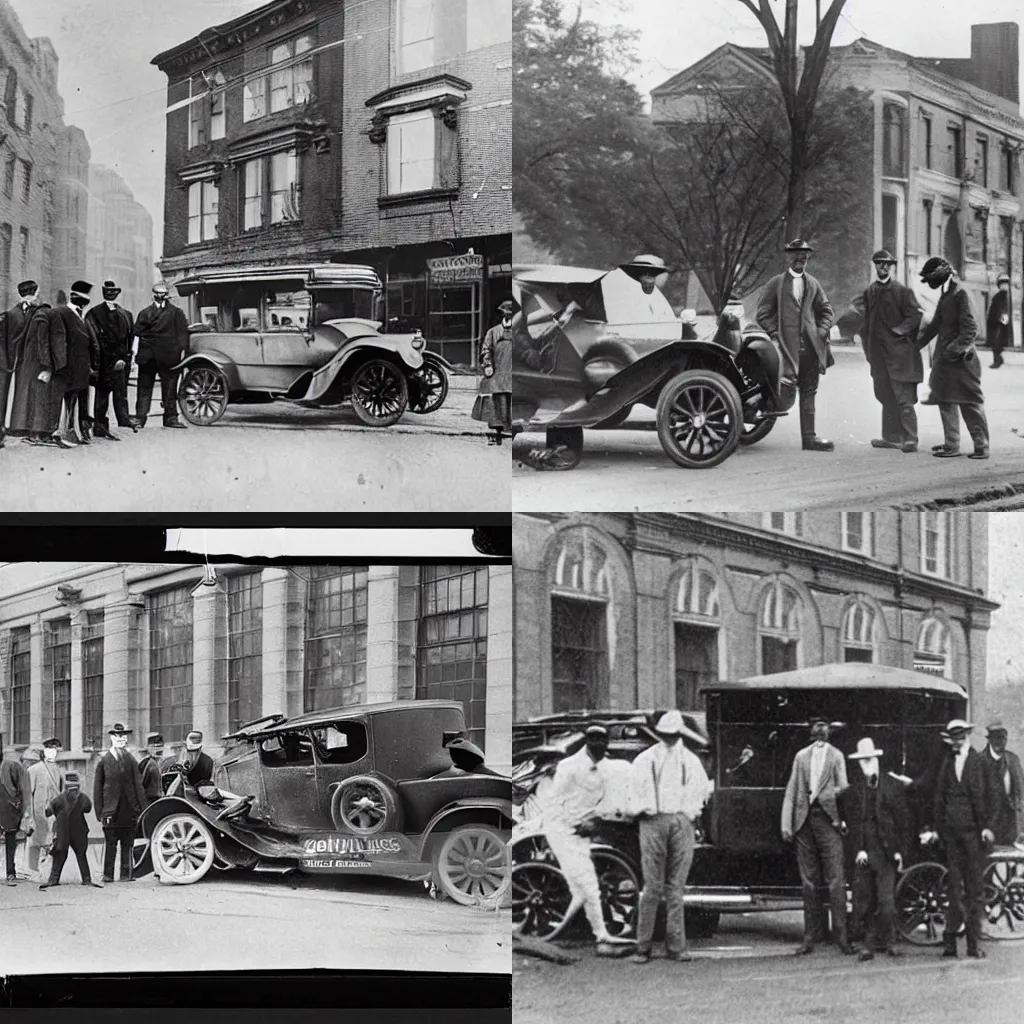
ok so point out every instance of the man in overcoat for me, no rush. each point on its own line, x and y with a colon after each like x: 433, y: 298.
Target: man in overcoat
x: 149, y: 767
x: 795, y: 313
x: 1006, y: 781
x: 496, y: 362
x: 40, y: 382
x: 15, y: 807
x: 13, y: 325
x: 162, y: 332
x: 998, y: 328
x: 118, y: 799
x: 70, y: 831
x: 878, y: 821
x: 811, y: 817
x: 83, y: 359
x: 955, y: 380
x: 46, y: 780
x: 891, y: 316
x: 963, y: 813
x: 198, y: 763
x: 113, y: 325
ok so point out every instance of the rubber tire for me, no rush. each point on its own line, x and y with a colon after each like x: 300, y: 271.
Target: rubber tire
x: 364, y: 414
x: 158, y: 865
x: 615, y: 420
x: 436, y: 402
x: 489, y: 902
x: 759, y: 433
x: 725, y: 390
x: 904, y: 884
x: 392, y: 820
x: 195, y: 370
x: 557, y: 881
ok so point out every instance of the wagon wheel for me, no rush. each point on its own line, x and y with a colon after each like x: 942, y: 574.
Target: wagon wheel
x: 620, y: 892
x: 1004, y: 900
x: 379, y: 393
x: 365, y: 806
x: 540, y: 900
x: 700, y: 419
x: 430, y: 390
x: 203, y: 395
x: 922, y: 899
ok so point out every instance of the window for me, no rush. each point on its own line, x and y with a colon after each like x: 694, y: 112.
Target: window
x: 1006, y: 244
x: 21, y: 684
x: 926, y: 138
x: 22, y: 109
x: 780, y: 629
x: 926, y: 225
x: 954, y: 149
x: 23, y: 250
x: 858, y: 530
x: 697, y: 594
x: 202, y: 211
x: 981, y: 161
x: 57, y: 676
x: 451, y: 657
x: 893, y: 161
x: 934, y: 543
x: 454, y: 313
x: 9, y: 168
x: 286, y: 311
x: 340, y: 743
x: 579, y: 654
x: 411, y: 152
x: 292, y: 85
x: 253, y: 198
x: 287, y: 749
x: 430, y: 31
x: 254, y: 99
x: 1007, y: 175
x: 218, y: 117
x: 197, y: 91
x: 26, y: 180
x: 931, y: 653
x: 859, y: 633
x: 245, y: 649
x: 335, y: 647
x: 891, y: 223
x: 271, y: 186
x: 170, y: 663
x: 415, y: 35
x: 784, y: 522
x: 92, y: 672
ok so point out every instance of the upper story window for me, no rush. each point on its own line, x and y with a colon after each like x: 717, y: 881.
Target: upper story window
x: 784, y: 522
x: 206, y: 119
x: 981, y: 161
x: 26, y: 180
x: 411, y: 152
x: 270, y: 190
x: 203, y: 197
x: 218, y: 119
x: 926, y: 140
x: 1007, y: 170
x: 430, y: 31
x: 858, y: 529
x: 288, y: 84
x: 22, y: 109
x: 954, y: 151
x: 894, y: 163
x: 934, y: 543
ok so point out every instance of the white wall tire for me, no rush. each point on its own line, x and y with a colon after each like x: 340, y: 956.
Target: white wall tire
x: 473, y: 866
x: 183, y: 849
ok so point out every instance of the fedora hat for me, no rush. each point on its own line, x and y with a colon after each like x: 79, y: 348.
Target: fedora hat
x: 957, y: 726
x: 931, y: 265
x: 671, y: 724
x: 996, y: 725
x: 596, y: 730
x: 865, y: 748
x: 118, y: 729
x: 798, y: 245
x: 646, y: 263
x: 110, y: 290
x: 883, y: 256
x: 508, y: 306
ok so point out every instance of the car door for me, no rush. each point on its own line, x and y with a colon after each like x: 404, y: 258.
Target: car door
x: 290, y: 781
x: 287, y: 344
x: 343, y: 750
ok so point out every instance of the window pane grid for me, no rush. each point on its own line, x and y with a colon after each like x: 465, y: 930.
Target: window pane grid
x: 57, y: 675
x: 21, y: 684
x: 92, y: 681
x: 245, y: 648
x: 170, y: 671
x: 335, y: 647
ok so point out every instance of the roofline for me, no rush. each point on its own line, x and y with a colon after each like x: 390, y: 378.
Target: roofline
x: 311, y: 718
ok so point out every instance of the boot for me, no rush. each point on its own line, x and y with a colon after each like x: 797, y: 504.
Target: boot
x: 949, y: 945
x: 811, y: 441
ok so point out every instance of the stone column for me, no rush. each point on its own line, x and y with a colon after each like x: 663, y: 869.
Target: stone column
x: 37, y: 699
x: 498, y: 736
x: 275, y: 641
x: 120, y: 636
x: 78, y: 620
x: 209, y: 664
x: 381, y: 633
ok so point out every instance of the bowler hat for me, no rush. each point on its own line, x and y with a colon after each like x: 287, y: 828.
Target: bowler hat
x: 931, y: 265
x: 53, y: 742
x: 883, y: 256
x: 110, y: 290
x: 956, y: 727
x: 27, y: 288
x: 865, y: 748
x: 82, y: 287
x: 798, y: 245
x: 118, y: 730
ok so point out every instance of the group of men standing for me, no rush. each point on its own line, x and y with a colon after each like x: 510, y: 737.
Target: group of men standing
x: 50, y: 356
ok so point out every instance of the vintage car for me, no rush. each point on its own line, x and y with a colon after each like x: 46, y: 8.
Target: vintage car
x: 754, y: 727
x: 306, y: 333
x: 592, y: 343
x: 387, y: 789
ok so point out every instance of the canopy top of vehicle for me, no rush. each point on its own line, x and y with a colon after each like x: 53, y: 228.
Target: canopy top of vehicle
x: 846, y: 676
x: 312, y: 275
x: 695, y: 722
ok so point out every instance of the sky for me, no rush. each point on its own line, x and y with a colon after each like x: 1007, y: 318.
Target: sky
x: 676, y: 33
x: 110, y: 89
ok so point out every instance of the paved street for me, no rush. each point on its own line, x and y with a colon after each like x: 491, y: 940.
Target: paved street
x: 748, y: 973
x: 626, y: 470
x: 271, y: 458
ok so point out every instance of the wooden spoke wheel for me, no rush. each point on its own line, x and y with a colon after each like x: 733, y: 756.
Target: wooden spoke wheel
x: 1004, y: 899
x: 202, y: 395
x: 540, y: 899
x: 922, y: 901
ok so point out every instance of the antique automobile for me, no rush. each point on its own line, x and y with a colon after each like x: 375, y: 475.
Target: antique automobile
x: 303, y: 333
x: 374, y: 789
x: 741, y: 864
x: 590, y: 344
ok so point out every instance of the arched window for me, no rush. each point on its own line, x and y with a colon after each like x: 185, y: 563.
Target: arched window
x: 859, y: 633
x: 932, y: 652
x: 696, y: 634
x: 697, y: 593
x: 780, y: 629
x: 581, y: 565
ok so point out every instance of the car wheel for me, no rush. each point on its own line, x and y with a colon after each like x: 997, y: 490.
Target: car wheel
x: 365, y: 805
x: 142, y: 858
x: 922, y: 902
x: 758, y: 431
x: 379, y: 393
x: 203, y: 395
x: 540, y: 900
x: 429, y: 389
x: 615, y: 420
x: 182, y: 848
x: 473, y: 866
x: 700, y: 419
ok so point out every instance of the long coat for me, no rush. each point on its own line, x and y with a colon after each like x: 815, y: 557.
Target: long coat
x: 83, y: 348
x: 999, y: 335
x: 975, y: 780
x: 36, y: 407
x: 12, y: 336
x: 162, y: 334
x: 69, y: 825
x: 113, y: 329
x: 956, y: 368
x: 496, y: 353
x: 816, y: 319
x: 890, y: 337
x: 892, y: 815
x: 201, y: 771
x: 15, y: 793
x: 117, y: 780
x: 1008, y: 806
x: 46, y: 781
x: 832, y: 783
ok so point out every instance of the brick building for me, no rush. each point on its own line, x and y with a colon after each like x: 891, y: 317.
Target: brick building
x: 84, y: 645
x: 627, y: 610
x: 941, y: 169
x: 374, y: 131
x: 71, y: 218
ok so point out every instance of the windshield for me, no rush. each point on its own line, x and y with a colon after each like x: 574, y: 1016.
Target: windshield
x: 343, y: 304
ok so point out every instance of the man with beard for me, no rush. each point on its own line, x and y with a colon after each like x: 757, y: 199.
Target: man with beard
x: 162, y: 333
x: 41, y: 380
x: 1006, y: 781
x: 955, y: 380
x: 112, y: 325
x: 15, y: 807
x: 12, y: 338
x: 891, y: 316
x: 83, y: 360
x: 998, y: 329
x: 118, y: 799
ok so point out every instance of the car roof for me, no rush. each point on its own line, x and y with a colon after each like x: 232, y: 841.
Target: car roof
x: 328, y: 715
x: 846, y: 676
x: 551, y: 273
x: 314, y: 274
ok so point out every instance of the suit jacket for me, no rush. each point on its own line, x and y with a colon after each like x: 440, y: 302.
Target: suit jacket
x: 12, y: 336
x: 956, y: 368
x: 162, y: 334
x: 83, y: 348
x: 149, y: 769
x: 999, y: 335
x: 833, y: 782
x: 201, y: 771
x: 113, y: 329
x: 116, y: 780
x: 69, y: 825
x: 1007, y: 805
x: 893, y: 815
x: 891, y: 344
x: 975, y: 780
x: 15, y: 794
x: 816, y: 319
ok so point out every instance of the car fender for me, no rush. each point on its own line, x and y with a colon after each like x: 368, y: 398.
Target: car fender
x: 315, y: 387
x: 433, y: 357
x: 167, y: 805
x: 766, y: 367
x: 466, y: 808
x: 220, y: 361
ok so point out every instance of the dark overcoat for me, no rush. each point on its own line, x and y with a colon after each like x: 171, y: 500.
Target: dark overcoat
x: 117, y: 780
x: 496, y: 352
x: 163, y: 336
x: 956, y: 368
x: 201, y: 771
x: 12, y: 336
x: 83, y: 349
x: 113, y: 329
x: 70, y: 828
x: 893, y: 815
x: 36, y: 407
x: 998, y: 334
x: 151, y: 784
x: 889, y: 331
x: 15, y: 794
x: 1007, y: 805
x: 975, y: 780
x: 816, y: 319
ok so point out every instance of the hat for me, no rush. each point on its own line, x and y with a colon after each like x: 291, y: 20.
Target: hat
x: 646, y: 263
x: 82, y: 287
x: 30, y: 754
x: 595, y: 730
x: 194, y: 740
x: 999, y: 280
x: 110, y: 290
x: 798, y: 245
x: 119, y: 730
x: 72, y: 779
x: 865, y: 748
x: 819, y: 718
x: 27, y: 288
x: 957, y: 726
x: 995, y: 725
x: 54, y: 742
x: 161, y: 286
x: 688, y: 316
x: 508, y: 306
x: 883, y: 256
x: 671, y: 724
x: 931, y: 265
x: 154, y: 739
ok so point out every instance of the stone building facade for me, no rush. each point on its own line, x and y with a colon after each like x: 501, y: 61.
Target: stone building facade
x: 625, y: 610
x: 85, y: 645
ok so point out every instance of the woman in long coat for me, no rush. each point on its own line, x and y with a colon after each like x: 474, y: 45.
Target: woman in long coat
x: 496, y: 362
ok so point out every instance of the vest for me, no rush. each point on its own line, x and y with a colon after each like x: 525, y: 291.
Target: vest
x: 789, y: 315
x: 959, y: 811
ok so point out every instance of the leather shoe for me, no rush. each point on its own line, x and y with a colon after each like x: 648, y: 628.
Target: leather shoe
x: 880, y: 442
x: 865, y: 955
x: 945, y: 453
x: 641, y: 958
x: 683, y: 957
x: 909, y: 447
x: 803, y: 949
x: 976, y: 954
x: 818, y: 444
x: 176, y: 426
x: 979, y: 453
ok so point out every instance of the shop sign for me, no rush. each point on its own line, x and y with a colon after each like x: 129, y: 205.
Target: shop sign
x: 454, y: 269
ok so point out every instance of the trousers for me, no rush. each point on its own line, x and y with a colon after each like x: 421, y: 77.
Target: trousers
x: 897, y: 398
x: 10, y: 845
x: 974, y: 419
x: 965, y: 859
x: 808, y: 378
x: 112, y: 839
x: 666, y: 853
x: 874, y: 901
x: 501, y: 402
x: 819, y: 856
x: 573, y: 853
x: 116, y: 386
x: 6, y: 376
x: 59, y: 857
x: 148, y: 373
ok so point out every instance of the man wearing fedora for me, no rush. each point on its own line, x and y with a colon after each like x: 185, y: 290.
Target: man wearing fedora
x: 795, y: 312
x: 1006, y: 781
x: 83, y: 362
x: 955, y: 380
x: 112, y: 324
x: 670, y: 789
x: 998, y: 328
x: 877, y: 820
x: 810, y: 816
x: 162, y: 332
x: 199, y: 764
x: 496, y: 363
x: 962, y: 816
x: 118, y: 799
x: 891, y: 316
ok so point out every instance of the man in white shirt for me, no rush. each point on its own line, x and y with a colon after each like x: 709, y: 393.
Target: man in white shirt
x: 670, y: 789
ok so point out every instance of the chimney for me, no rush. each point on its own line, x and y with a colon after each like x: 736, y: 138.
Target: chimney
x: 994, y: 58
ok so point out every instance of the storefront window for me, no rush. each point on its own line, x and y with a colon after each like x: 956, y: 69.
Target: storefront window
x: 454, y: 313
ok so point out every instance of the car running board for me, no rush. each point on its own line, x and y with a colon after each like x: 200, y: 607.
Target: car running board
x: 269, y: 867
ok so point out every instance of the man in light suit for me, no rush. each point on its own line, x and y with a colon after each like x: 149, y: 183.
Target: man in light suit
x: 810, y: 815
x: 118, y: 799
